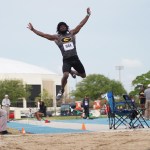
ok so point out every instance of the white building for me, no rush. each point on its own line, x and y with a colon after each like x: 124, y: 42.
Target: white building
x: 39, y: 78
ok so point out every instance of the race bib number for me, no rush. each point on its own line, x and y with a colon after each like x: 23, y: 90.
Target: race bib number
x: 68, y: 46
x: 86, y: 103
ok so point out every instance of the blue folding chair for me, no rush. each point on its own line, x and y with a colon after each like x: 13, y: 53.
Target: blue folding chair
x: 119, y: 114
x: 139, y: 119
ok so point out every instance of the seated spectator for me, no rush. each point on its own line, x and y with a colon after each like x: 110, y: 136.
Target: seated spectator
x: 41, y: 112
x: 3, y: 122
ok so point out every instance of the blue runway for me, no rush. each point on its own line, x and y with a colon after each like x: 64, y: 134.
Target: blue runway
x: 61, y: 126
x: 36, y: 129
x: 39, y: 129
x: 103, y: 121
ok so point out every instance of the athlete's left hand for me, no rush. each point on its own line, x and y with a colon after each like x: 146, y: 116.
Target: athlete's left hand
x: 88, y: 11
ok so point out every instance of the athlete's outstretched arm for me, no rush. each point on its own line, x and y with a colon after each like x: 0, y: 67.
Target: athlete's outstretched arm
x: 82, y: 23
x: 44, y: 35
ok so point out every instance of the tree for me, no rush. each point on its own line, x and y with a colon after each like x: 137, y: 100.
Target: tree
x: 141, y: 80
x: 117, y: 88
x: 46, y: 98
x: 94, y: 85
x: 15, y: 89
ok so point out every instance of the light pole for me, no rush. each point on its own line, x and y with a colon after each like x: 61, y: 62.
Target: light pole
x: 119, y: 68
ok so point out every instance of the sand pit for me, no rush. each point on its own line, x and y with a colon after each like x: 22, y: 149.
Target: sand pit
x: 111, y: 140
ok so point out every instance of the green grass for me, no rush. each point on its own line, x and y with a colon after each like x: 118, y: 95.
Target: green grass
x: 56, y: 118
x: 69, y: 117
x: 65, y: 117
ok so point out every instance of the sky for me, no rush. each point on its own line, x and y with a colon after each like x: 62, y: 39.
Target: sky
x: 116, y: 34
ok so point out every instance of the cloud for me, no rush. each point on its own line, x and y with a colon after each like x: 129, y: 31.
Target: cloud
x: 131, y: 63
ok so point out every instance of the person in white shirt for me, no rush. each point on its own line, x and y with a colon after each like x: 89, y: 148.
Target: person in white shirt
x: 6, y: 105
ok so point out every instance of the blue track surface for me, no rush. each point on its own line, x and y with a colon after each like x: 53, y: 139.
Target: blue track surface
x: 36, y: 129
x: 103, y: 121
x: 39, y: 129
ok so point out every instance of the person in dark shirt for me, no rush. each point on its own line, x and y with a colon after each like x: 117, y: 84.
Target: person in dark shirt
x: 66, y: 41
x: 142, y: 98
x: 41, y: 112
x: 86, y: 105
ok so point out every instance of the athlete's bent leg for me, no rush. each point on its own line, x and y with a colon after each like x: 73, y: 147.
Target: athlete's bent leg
x: 83, y: 75
x: 79, y: 69
x: 73, y: 73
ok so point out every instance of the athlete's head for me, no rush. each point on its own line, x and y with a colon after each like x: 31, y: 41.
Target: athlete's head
x: 62, y: 28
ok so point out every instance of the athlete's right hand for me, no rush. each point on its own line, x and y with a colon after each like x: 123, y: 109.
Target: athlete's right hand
x: 30, y: 26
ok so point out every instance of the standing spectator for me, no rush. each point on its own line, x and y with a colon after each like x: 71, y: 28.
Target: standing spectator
x: 6, y: 105
x: 106, y: 109
x: 142, y: 99
x: 147, y: 104
x: 85, y: 104
x: 3, y: 121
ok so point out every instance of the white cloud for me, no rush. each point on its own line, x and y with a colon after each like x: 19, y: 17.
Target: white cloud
x: 131, y: 63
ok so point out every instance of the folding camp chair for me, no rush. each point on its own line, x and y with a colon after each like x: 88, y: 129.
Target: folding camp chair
x: 119, y: 114
x: 138, y: 112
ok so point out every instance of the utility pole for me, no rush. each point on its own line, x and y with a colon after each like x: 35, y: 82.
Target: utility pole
x: 119, y: 68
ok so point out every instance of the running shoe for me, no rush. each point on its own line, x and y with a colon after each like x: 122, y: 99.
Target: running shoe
x: 73, y: 75
x: 60, y: 94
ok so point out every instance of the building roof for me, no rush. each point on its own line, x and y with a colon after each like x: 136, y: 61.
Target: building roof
x: 14, y: 66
